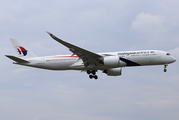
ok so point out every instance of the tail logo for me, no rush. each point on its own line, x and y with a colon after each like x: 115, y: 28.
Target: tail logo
x: 21, y: 50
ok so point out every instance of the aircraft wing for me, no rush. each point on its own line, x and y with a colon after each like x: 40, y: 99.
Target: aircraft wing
x: 90, y: 59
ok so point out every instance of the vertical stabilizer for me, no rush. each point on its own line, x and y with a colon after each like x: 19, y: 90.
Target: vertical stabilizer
x: 21, y: 49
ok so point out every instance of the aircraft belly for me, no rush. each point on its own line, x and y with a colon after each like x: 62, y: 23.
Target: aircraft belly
x: 65, y: 64
x: 52, y: 66
x: 77, y: 65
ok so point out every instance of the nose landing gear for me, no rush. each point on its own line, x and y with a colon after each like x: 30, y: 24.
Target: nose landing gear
x: 165, y: 68
x: 93, y: 74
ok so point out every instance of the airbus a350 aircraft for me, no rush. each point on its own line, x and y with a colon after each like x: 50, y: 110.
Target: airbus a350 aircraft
x: 110, y: 63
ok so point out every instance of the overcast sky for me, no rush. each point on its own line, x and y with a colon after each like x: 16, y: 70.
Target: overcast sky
x: 141, y: 93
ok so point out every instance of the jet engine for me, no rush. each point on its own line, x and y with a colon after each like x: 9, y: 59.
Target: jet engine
x: 113, y: 71
x: 111, y: 61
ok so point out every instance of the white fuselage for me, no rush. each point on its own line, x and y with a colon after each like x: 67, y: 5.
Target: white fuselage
x: 110, y: 63
x: 126, y: 59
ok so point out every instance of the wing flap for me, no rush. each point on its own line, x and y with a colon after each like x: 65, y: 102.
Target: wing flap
x: 16, y: 59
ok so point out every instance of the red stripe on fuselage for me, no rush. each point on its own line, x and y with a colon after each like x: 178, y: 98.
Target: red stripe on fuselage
x: 64, y: 57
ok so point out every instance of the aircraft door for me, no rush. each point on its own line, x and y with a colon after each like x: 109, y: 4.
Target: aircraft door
x: 43, y: 61
x: 158, y: 54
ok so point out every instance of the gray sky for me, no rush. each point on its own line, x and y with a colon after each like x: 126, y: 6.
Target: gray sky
x: 99, y: 26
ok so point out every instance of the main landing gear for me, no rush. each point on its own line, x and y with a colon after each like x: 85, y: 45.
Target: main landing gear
x: 93, y: 72
x: 165, y: 68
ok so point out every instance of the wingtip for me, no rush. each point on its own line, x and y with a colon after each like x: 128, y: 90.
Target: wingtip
x: 49, y: 33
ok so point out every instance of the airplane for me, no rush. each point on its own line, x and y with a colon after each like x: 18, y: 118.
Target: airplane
x: 110, y: 63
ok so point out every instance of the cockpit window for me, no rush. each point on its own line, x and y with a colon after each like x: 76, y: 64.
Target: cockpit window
x: 168, y: 54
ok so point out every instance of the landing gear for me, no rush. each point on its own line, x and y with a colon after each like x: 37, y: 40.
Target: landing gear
x: 91, y: 71
x: 165, y: 68
x: 93, y: 74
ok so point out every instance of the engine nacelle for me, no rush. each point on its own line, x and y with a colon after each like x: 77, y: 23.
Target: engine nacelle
x: 113, y: 71
x: 111, y: 61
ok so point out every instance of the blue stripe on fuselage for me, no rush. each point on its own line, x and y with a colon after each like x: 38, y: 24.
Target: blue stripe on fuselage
x: 129, y: 63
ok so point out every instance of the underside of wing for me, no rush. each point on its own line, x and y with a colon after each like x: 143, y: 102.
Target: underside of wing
x: 90, y: 59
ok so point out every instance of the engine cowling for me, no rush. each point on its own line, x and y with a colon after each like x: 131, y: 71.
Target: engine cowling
x: 111, y: 61
x: 113, y: 71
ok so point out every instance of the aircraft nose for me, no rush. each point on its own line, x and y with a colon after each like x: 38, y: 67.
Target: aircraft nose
x: 173, y: 59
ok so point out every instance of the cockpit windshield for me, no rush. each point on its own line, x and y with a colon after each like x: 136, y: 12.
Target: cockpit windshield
x: 168, y: 54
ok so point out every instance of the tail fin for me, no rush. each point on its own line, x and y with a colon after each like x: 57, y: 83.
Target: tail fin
x: 21, y: 49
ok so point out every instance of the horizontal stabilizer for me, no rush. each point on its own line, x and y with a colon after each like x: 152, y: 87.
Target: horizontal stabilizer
x: 16, y: 59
